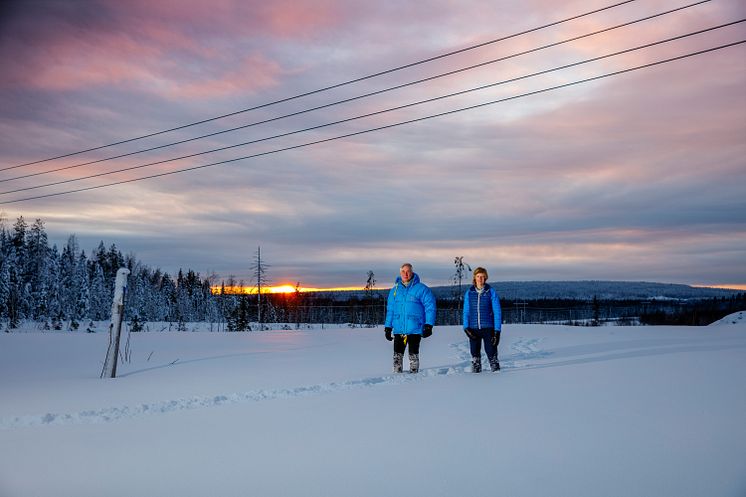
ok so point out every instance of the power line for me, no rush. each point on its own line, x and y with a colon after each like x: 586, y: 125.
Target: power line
x: 544, y: 90
x: 420, y: 102
x: 347, y: 100
x: 331, y: 87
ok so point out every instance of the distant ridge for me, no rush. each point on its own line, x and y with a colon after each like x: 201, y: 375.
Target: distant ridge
x: 607, y: 290
x: 581, y: 290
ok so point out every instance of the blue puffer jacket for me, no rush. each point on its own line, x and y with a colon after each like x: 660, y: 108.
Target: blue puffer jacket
x: 410, y: 307
x: 482, y: 310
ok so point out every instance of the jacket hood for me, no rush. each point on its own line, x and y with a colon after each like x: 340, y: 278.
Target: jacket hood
x: 415, y: 279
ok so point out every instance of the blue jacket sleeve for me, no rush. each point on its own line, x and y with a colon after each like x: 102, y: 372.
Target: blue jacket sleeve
x: 465, y: 318
x: 496, y: 310
x: 390, y: 308
x: 428, y: 302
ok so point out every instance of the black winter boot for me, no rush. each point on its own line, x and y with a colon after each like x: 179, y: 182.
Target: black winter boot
x: 476, y: 364
x: 414, y: 363
x: 398, y: 362
x: 494, y: 364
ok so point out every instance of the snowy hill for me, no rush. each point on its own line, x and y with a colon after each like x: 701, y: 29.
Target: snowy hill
x: 609, y: 290
x: 735, y: 318
x: 575, y: 412
x: 581, y: 290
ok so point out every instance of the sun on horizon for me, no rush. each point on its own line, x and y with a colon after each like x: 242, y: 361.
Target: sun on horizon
x: 282, y: 288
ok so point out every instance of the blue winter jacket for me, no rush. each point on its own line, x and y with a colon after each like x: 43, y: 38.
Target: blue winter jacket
x: 410, y: 307
x: 482, y: 310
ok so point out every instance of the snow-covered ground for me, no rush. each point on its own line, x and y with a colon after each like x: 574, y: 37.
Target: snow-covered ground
x: 611, y: 411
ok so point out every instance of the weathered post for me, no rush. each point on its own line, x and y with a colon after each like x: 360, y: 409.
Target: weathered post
x: 115, y: 328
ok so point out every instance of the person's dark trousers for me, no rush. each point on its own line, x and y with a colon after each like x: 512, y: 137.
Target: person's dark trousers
x: 485, y: 334
x: 401, y: 342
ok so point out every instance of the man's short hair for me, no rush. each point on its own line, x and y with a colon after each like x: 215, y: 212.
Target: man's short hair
x: 405, y: 265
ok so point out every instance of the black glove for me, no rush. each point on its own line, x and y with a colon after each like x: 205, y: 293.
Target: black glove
x: 470, y: 333
x: 387, y: 330
x: 496, y: 339
x: 427, y: 330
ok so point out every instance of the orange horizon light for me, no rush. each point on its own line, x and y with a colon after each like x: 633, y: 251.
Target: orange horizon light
x: 722, y: 287
x: 283, y: 288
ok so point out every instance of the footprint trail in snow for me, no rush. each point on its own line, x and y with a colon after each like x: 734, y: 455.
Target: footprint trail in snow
x: 523, y: 351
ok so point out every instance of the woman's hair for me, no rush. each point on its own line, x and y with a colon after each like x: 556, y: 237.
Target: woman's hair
x: 477, y: 271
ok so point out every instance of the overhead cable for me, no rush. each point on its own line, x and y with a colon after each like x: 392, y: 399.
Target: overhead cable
x: 331, y: 87
x: 347, y: 100
x: 400, y: 107
x: 357, y: 133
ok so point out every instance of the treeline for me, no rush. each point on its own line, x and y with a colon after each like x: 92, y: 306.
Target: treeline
x: 65, y: 288
x: 293, y: 310
x: 698, y: 313
x: 595, y: 311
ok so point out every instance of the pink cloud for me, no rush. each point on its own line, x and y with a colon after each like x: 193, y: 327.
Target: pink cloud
x: 153, y: 45
x: 282, y: 19
x: 254, y: 73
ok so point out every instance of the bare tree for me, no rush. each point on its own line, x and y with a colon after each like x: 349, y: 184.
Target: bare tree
x: 370, y: 287
x: 458, y: 276
x: 259, y: 272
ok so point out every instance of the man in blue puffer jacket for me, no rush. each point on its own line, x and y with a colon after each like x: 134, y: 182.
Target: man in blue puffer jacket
x: 410, y: 316
x: 482, y: 321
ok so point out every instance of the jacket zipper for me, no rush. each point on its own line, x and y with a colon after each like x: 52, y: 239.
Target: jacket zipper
x: 479, y: 310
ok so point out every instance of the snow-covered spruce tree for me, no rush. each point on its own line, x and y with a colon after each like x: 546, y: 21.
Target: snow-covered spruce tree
x: 211, y: 302
x: 154, y: 301
x: 20, y: 289
x: 99, y: 308
x: 190, y: 297
x: 115, y: 261
x: 37, y: 249
x: 4, y: 286
x: 242, y: 311
x: 54, y: 295
x: 68, y: 292
x: 136, y: 325
x: 102, y: 295
x: 18, y: 240
x: 12, y: 306
x: 140, y: 292
x: 81, y: 294
x: 168, y: 292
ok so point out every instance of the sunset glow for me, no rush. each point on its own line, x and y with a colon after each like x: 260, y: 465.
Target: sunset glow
x: 282, y: 289
x: 727, y: 287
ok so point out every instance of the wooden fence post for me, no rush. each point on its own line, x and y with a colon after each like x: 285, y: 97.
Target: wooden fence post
x: 115, y: 328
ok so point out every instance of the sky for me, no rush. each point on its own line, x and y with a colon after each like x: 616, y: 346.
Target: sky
x: 637, y: 176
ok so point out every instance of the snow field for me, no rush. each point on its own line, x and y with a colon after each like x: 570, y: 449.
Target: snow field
x: 575, y: 411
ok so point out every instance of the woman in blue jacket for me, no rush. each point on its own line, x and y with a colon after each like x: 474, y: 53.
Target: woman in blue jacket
x: 410, y: 316
x: 482, y: 321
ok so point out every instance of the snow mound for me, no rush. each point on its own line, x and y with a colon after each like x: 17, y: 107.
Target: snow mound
x: 735, y: 318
